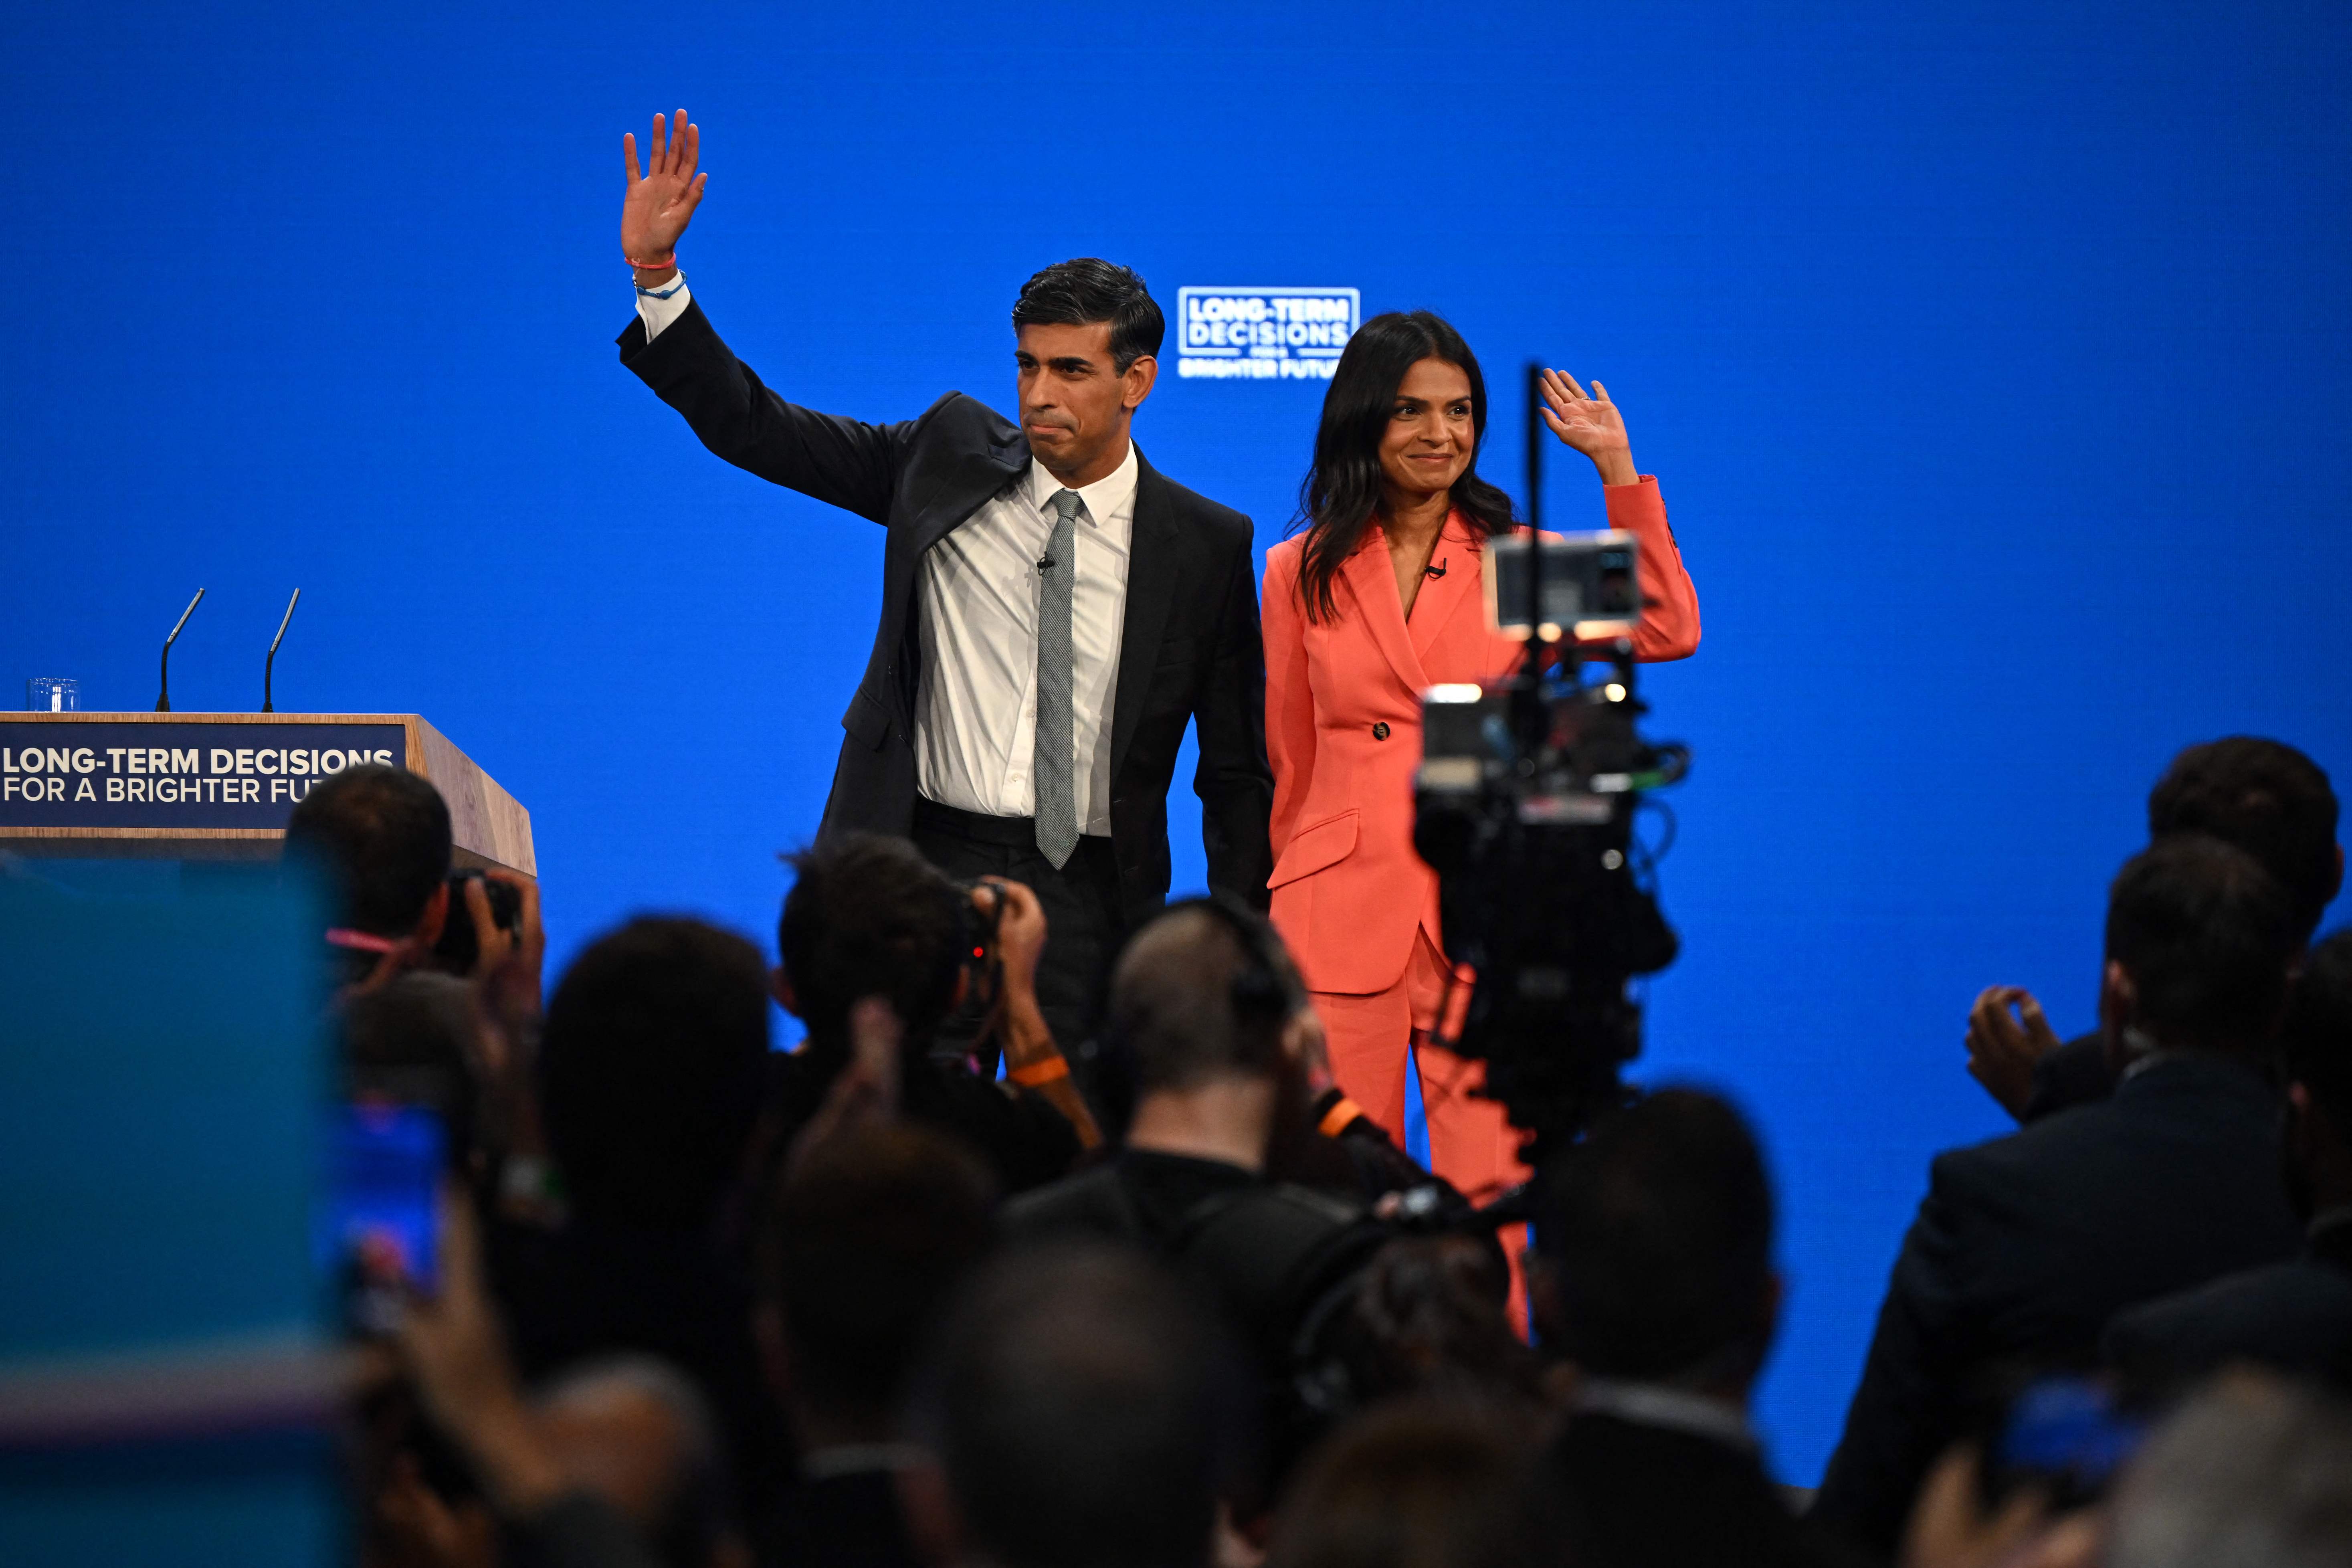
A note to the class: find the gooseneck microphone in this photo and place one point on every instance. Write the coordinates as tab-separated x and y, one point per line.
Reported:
270	664
164	699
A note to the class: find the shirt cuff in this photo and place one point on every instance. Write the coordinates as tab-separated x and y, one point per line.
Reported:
657	313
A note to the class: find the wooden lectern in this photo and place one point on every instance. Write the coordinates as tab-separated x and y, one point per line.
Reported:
219	786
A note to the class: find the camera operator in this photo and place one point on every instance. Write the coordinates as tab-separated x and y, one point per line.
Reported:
868	916
1208	1020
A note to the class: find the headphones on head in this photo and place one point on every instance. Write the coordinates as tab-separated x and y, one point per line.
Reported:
1267	990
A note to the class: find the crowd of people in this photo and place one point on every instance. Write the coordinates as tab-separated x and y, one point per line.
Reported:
863	1304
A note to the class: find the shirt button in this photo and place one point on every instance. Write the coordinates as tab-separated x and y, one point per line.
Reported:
1380	730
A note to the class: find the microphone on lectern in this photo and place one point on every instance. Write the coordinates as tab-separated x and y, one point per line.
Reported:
270	664
164	699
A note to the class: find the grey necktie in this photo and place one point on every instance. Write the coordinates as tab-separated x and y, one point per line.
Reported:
1057	802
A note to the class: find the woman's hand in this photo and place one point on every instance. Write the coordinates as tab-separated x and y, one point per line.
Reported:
661	201
1591	426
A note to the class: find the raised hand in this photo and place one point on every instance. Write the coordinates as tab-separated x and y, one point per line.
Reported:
2003	1049
660	201
1589	425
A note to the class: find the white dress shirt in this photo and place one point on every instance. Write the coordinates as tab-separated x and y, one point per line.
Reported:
976	708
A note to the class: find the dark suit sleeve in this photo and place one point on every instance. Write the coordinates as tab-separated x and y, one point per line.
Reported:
1232	780
846	462
2075	1074
1906	1408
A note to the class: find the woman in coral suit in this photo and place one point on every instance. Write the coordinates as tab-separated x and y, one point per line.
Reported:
1379	598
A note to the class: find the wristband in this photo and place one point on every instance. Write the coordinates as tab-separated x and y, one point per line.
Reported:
674	284
1335	1119
651	266
1038	1075
361	940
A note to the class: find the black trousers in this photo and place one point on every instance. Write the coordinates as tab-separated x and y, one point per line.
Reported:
1083	928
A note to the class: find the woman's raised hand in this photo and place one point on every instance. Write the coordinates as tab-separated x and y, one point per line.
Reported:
660	201
1589	425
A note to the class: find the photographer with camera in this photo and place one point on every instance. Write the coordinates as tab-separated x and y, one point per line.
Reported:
377	839
1210	1022
868	917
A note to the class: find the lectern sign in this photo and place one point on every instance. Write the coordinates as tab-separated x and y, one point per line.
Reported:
177	773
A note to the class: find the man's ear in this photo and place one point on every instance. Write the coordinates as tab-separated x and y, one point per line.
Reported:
1137	382
436	917
2118	1011
780	986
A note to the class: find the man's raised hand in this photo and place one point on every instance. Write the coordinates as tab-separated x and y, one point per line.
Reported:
661	200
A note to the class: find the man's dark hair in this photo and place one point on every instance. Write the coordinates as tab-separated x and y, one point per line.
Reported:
868	916
869	1236
2317	1035
1658	1230
1200	993
2206	936
379	838
650	1070
2266	798
1414	1483
1078	1403
1088	289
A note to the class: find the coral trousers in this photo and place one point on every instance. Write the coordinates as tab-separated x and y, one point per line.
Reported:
1370	1042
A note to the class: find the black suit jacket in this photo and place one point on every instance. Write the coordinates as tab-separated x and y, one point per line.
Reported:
2025	1247
2296	1317
1634	1495
1189	650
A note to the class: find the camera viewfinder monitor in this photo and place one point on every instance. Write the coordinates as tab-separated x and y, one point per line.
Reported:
1592	590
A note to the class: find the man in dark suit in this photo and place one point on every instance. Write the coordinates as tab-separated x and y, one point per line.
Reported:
2294	1316
1653	1275
1054	610
2266	797
2025	1247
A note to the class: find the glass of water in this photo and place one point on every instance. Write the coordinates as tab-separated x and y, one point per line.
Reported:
52	694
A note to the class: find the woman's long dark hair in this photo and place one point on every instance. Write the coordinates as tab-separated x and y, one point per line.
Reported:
1344	490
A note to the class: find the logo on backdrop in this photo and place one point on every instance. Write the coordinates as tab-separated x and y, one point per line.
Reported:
1263	334
175	773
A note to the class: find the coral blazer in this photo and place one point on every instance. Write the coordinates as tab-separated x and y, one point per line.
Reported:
1343	730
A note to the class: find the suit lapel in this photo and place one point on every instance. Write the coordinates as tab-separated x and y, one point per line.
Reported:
1372	580
1442	597
1151	550
978	475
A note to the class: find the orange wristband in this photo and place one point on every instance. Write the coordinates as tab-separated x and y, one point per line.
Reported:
1335	1121
1038	1075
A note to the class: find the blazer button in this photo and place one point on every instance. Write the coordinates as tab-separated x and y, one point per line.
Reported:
1380	730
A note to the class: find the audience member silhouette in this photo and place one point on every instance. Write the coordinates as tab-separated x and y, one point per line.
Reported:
2025	1247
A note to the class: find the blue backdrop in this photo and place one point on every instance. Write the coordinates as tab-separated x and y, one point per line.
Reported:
1992	357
